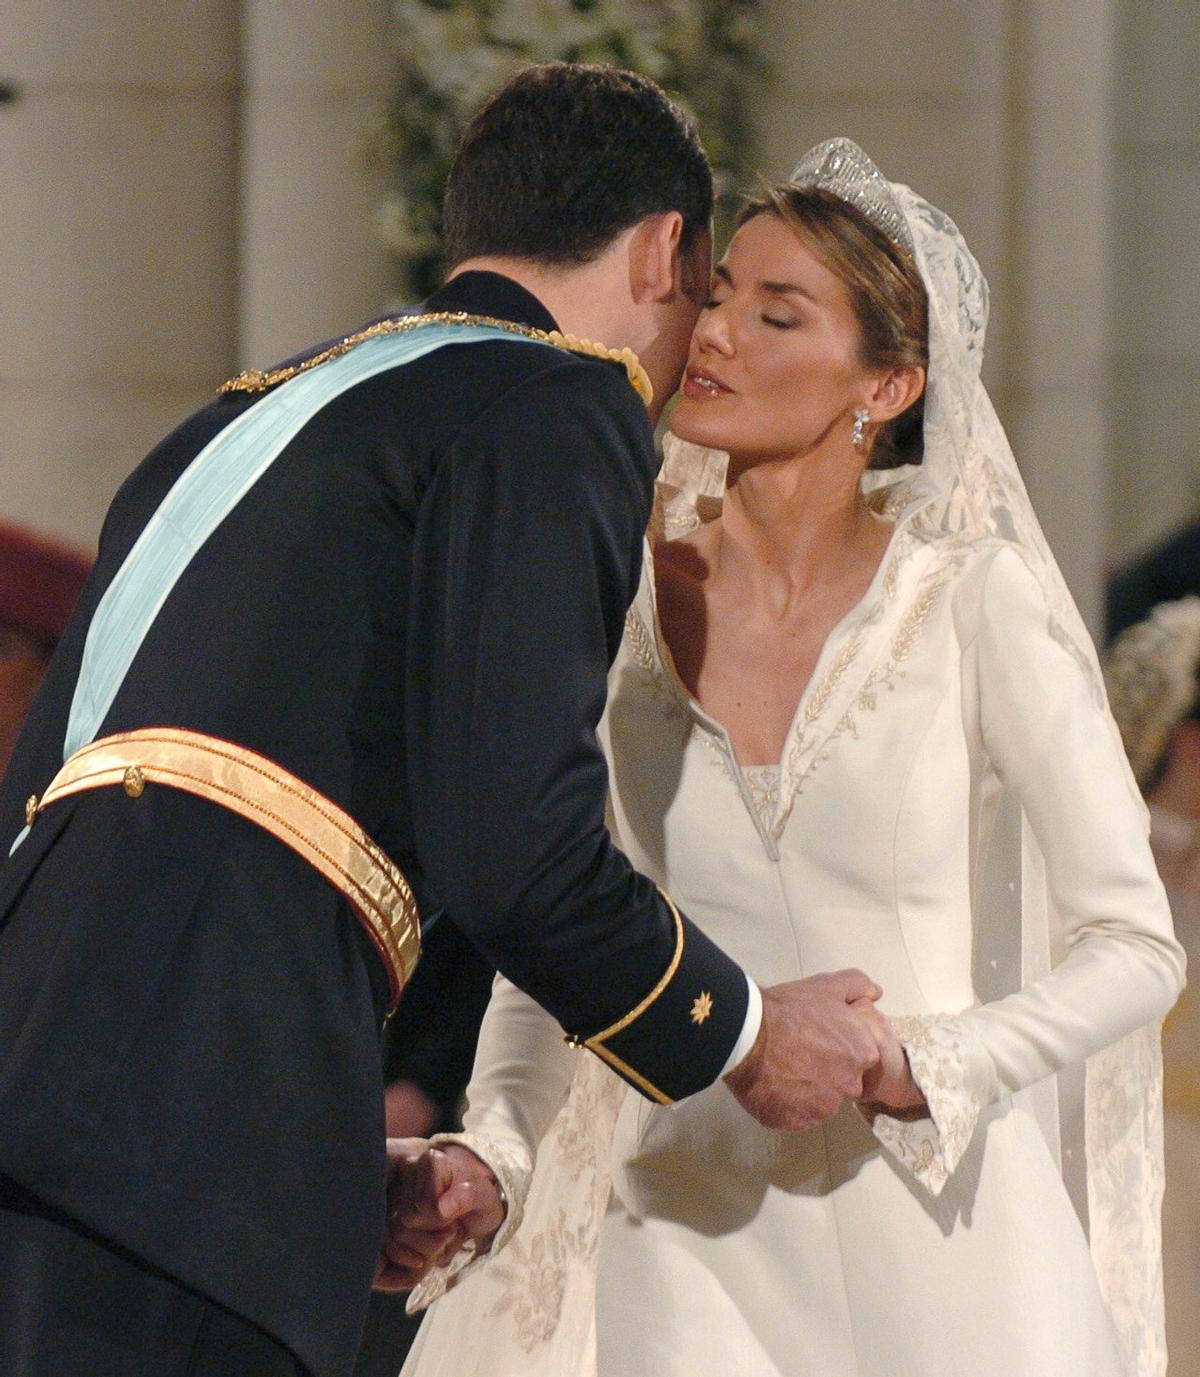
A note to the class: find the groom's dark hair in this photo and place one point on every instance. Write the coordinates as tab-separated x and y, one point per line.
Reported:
564	158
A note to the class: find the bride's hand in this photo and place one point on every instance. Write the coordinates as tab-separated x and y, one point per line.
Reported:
889	1085
439	1199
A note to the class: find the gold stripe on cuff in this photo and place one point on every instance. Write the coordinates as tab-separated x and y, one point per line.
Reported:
622	1068
596	1042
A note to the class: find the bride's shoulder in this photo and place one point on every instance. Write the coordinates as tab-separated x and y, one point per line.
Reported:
990	577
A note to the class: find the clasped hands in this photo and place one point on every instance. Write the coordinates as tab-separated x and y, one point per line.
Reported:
439	1198
822	1042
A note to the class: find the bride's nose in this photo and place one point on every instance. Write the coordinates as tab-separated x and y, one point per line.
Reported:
712	332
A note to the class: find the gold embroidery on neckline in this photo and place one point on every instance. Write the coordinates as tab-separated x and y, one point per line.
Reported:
882	675
258	380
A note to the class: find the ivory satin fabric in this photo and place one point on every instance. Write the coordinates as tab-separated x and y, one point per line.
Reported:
948	1248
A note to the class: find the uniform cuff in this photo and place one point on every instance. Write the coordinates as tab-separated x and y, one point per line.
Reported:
679	1038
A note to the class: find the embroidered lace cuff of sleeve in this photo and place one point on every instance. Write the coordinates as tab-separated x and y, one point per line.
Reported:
938	1055
513	1168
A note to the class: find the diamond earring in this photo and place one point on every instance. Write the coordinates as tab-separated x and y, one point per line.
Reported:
858	431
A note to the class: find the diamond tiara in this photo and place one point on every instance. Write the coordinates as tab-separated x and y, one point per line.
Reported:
841	167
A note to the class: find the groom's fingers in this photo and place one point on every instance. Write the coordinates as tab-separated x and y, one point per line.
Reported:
852	985
812	1052
421	1247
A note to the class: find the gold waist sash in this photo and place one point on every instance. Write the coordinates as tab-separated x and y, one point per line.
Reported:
264	793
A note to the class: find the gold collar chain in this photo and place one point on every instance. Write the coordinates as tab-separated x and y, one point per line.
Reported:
256	380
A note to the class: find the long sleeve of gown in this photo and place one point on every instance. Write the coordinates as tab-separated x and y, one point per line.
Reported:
527	556
1054	745
521	1079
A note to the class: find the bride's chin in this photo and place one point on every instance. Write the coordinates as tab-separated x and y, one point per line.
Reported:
689	423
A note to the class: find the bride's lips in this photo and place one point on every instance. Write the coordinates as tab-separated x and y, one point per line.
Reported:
703	385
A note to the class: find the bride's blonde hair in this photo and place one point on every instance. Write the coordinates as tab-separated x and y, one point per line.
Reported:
886	294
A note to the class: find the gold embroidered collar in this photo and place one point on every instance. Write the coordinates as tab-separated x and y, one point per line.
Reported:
256	380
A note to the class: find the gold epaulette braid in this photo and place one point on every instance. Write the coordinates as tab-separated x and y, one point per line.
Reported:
255	380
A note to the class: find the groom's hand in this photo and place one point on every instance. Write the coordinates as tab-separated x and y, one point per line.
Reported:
812	1051
438	1199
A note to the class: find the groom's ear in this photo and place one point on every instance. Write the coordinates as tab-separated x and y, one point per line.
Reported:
654	258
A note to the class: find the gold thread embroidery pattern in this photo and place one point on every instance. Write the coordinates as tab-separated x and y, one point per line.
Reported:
932	1147
638	639
762	784
882	676
641	647
845	658
258	380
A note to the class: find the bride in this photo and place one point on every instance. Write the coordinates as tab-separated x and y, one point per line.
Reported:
855	721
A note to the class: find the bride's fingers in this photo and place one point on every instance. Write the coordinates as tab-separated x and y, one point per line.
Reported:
406	1247
459	1200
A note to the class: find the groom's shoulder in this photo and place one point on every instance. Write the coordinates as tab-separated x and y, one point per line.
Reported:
544	390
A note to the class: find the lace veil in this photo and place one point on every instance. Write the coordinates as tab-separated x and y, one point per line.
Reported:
1103	1123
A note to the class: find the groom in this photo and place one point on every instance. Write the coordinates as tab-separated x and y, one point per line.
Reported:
354	615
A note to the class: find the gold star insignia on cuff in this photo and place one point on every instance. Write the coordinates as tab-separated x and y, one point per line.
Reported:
701	1007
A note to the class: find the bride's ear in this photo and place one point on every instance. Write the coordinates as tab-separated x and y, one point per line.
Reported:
895	392
654	267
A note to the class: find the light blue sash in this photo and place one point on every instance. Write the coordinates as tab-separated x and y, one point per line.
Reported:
207	491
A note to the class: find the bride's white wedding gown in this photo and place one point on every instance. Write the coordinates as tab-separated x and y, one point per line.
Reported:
953	814
888	839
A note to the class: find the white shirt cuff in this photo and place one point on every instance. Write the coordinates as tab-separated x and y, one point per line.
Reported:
749	1033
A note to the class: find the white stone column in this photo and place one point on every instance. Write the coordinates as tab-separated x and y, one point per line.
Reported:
1061	93
921	86
116	238
312	264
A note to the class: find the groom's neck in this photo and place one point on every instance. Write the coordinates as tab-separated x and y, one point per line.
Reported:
589	300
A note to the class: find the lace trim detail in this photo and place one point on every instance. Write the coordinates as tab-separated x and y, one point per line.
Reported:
1124	1126
513	1168
931	1148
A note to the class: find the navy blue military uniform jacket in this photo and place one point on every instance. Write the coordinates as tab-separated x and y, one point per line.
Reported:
414	611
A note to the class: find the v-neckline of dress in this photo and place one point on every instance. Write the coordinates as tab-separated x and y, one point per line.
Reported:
827	695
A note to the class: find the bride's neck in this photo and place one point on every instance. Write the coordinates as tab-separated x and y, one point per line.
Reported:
796	522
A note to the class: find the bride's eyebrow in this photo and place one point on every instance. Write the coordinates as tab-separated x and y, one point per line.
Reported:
721	273
787	289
